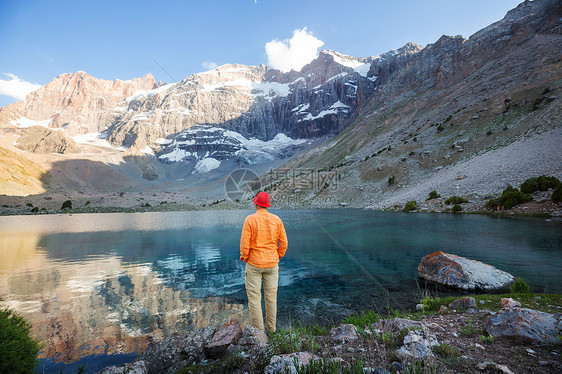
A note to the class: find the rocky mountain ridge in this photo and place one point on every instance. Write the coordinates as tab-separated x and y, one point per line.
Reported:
412	114
463	117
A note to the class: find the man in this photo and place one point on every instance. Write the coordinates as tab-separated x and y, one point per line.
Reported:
263	243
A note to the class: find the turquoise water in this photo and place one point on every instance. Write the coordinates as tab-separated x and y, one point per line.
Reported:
100	284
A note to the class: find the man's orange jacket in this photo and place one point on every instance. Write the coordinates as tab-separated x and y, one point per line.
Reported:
263	240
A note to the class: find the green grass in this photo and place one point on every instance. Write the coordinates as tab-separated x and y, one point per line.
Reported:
549	303
324	366
297	338
363	319
446	351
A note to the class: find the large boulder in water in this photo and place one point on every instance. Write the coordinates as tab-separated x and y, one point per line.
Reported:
538	327
456	271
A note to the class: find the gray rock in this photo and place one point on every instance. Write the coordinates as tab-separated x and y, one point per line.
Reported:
171	351
343	333
463	303
538	327
397	324
459	272
397	366
381	371
286	363
417	345
137	367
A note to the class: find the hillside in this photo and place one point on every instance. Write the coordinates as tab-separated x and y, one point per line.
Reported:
460	116
463	117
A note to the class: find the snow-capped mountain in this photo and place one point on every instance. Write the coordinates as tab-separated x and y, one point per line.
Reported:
250	114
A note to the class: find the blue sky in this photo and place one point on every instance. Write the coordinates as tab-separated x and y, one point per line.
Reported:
116	39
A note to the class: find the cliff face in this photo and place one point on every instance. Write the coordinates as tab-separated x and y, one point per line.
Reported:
77	103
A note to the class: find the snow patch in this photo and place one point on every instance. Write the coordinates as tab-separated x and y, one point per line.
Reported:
176	155
26	122
147	150
96	139
163	141
206	165
301	108
333	109
145	94
265	89
141	116
337	76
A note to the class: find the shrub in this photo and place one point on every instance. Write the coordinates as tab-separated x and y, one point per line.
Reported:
509	198
557	195
18	350
35	210
29	205
542	183
468	329
446	351
456	208
410	205
391	180
433	195
520	286
440	128
362	319
456	200
87	202
66	205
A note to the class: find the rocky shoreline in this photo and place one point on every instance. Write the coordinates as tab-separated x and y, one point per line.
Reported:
470	334
541	205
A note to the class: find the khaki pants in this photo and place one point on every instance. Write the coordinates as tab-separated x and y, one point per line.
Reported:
270	276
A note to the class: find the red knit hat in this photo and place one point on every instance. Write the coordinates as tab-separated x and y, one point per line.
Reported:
262	199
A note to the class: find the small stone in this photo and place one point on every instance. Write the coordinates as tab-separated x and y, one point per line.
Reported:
443	309
397	366
504	369
463	303
482	365
543	363
508	303
419	307
530	351
344	332
350	349
380	371
482	302
289	362
479	346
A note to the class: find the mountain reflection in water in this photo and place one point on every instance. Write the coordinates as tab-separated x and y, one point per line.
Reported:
109	283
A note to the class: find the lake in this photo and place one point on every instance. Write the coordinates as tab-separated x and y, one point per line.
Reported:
95	286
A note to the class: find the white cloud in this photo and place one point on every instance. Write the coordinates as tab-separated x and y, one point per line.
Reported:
294	53
209	65
16	87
